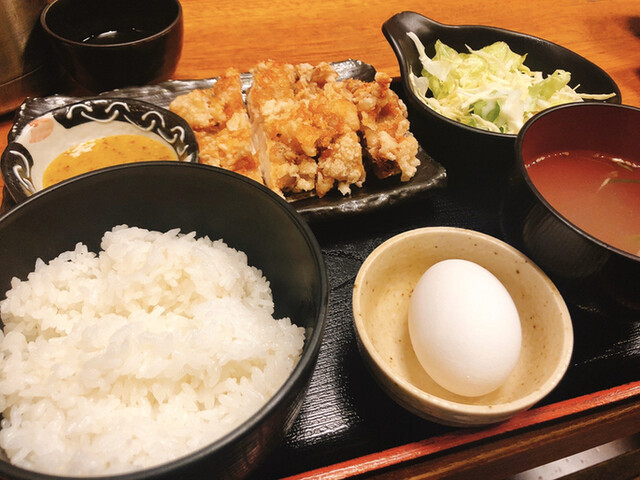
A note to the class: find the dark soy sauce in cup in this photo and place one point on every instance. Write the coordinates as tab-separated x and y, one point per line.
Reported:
111	37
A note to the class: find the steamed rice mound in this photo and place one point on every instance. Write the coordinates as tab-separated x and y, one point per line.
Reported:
154	347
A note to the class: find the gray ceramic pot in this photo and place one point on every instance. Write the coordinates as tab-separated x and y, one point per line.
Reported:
25	71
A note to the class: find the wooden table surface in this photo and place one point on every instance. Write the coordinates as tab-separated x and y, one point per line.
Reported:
232	33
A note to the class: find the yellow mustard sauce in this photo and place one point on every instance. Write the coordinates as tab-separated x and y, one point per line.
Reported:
105	152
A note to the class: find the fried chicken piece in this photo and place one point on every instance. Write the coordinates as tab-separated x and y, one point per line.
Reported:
339	150
282	129
221	125
390	145
302	129
341	162
312	79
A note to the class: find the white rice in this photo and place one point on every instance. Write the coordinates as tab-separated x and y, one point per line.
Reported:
157	346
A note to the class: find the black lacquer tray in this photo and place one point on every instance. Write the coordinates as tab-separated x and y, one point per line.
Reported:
345	414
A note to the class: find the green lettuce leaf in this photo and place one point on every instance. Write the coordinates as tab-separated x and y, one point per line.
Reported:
490	88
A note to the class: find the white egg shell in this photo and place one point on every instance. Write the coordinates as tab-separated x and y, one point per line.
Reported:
464	327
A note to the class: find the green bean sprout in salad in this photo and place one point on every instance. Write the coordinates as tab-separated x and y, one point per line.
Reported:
490	88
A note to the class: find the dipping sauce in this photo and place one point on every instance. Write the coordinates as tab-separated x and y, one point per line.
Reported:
597	192
105	152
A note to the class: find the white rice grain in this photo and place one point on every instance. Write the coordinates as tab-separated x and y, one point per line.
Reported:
156	346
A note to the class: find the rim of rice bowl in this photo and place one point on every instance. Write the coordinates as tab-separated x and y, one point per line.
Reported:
308	355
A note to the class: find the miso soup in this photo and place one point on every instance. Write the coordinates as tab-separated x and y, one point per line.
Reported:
597	192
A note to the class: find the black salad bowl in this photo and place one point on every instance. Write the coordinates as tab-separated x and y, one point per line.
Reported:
466	151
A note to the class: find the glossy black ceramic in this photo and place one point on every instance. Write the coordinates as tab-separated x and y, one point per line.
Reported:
146	48
585	265
210	201
465	150
99	114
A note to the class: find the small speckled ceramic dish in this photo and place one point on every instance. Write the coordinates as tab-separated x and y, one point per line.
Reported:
381	296
39	143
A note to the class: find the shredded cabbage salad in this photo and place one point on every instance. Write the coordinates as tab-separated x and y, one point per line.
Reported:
490	88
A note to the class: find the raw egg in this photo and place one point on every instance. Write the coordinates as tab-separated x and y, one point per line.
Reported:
464	327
